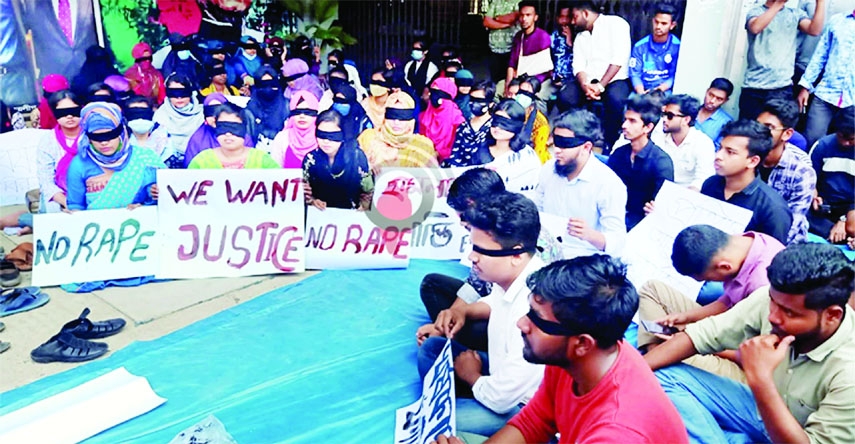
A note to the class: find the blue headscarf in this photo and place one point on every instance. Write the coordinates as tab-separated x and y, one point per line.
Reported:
103	116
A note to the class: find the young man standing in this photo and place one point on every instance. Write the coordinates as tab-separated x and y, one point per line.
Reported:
530	51
596	388
772	40
501	21
601	53
504	231
711	118
653	62
578	186
796	342
641	165
692	152
744	145
786	168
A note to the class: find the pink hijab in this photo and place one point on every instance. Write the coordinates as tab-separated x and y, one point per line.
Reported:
301	141
440	124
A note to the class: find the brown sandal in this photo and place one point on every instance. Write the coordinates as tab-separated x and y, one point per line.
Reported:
22	256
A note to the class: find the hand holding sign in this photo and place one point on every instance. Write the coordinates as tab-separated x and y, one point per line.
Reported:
450	321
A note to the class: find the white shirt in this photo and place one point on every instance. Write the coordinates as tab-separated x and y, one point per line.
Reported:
693	159
596	195
512	379
72	4
519	170
608	44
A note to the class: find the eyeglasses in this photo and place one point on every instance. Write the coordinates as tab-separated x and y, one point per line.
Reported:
772	128
549	327
669	115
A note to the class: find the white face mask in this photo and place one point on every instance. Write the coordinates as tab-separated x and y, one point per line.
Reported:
248	56
184	54
141	126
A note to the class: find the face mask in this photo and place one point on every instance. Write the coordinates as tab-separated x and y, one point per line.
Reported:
184	54
342	108
141	126
478	108
436	97
377	90
332	64
336	83
266	93
523	100
248	56
417	54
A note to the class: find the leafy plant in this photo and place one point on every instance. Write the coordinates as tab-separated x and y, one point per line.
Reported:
315	20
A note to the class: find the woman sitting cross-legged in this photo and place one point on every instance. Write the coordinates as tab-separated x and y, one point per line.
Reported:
394	143
337	172
108	172
232	153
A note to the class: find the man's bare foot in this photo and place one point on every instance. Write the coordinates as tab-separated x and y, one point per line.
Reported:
25	231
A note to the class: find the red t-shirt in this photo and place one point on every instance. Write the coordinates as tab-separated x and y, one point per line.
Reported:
628	405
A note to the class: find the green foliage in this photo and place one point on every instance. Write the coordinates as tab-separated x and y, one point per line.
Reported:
315	20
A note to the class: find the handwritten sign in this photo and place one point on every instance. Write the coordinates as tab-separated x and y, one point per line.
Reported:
218	223
571	246
94	245
434	413
347	239
18	150
417	198
649	244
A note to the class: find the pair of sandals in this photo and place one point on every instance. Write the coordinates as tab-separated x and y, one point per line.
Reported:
72	343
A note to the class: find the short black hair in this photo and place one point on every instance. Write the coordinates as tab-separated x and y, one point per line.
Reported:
646	107
785	110
844	122
336	54
533	81
229	108
722	84
329	115
528	3
666	8
589	294
515	112
819	271
473	185
563	4
583	123
488	87
511	219
100	86
587	5
689	106
56	97
759	137
136	99
178	78
695	247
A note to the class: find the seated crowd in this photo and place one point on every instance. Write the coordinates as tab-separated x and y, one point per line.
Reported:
582	125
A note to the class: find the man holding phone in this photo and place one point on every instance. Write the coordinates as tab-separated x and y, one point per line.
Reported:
707	254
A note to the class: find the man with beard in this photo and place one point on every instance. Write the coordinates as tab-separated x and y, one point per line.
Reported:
504	230
796	342
596	387
578	186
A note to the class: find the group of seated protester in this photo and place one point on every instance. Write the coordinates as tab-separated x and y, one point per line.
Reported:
764	353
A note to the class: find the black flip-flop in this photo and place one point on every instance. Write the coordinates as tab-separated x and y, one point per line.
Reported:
64	347
85	329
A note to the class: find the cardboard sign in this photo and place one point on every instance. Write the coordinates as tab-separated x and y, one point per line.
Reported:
18	150
434	413
218	223
94	245
417	198
648	245
347	239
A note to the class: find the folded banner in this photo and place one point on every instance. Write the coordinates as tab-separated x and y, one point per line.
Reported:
434	413
220	223
347	239
416	198
94	245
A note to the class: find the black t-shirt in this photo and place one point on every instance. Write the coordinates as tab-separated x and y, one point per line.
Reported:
771	214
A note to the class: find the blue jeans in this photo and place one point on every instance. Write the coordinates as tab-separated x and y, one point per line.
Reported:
819	117
472	416
714	409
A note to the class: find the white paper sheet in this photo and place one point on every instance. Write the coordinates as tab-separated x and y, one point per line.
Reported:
81	412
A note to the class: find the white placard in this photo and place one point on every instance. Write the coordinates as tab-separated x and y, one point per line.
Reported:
571	246
223	223
649	244
434	413
81	412
18	151
94	245
347	239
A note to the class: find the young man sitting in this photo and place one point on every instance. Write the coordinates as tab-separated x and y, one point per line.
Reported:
832	214
504	230
597	387
707	254
796	342
744	145
711	118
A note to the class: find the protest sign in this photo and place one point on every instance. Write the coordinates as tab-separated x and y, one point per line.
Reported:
94	245
417	198
649	244
347	239
434	413
571	246
216	223
18	151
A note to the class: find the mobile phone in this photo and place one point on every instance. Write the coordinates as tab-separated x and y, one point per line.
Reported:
653	327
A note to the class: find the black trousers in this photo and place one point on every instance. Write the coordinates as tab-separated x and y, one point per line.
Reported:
499	66
438	293
752	100
609	109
